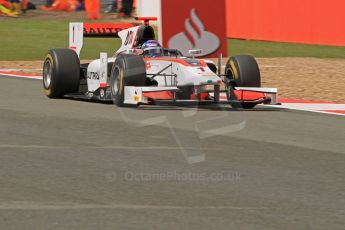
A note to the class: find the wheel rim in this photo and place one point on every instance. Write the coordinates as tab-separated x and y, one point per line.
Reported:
47	74
116	84
229	74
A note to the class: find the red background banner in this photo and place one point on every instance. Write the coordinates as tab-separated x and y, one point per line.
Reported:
176	12
298	21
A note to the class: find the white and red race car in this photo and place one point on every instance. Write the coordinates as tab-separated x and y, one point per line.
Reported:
131	77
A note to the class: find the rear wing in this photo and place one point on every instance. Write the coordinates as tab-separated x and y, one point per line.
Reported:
79	30
129	33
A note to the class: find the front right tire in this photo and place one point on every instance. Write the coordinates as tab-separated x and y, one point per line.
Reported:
127	70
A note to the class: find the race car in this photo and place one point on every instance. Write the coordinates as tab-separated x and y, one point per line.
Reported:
142	72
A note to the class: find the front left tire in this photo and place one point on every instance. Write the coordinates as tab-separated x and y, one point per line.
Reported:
241	71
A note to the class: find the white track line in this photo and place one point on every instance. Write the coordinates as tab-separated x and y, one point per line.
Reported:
20	70
316	108
38	77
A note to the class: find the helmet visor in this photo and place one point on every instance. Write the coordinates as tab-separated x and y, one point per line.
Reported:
153	52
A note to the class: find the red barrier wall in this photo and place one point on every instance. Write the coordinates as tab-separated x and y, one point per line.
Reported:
299	21
194	27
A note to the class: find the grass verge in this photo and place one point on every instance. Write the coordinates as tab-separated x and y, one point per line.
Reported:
30	40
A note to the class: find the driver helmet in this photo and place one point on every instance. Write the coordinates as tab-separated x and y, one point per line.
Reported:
152	48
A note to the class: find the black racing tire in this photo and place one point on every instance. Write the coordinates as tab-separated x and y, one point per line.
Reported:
243	70
61	73
127	70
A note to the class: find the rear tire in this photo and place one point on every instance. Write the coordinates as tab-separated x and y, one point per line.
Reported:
61	73
127	70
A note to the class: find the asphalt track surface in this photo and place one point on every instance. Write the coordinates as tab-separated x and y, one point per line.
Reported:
69	164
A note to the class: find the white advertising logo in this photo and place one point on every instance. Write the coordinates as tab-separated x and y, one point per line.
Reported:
195	37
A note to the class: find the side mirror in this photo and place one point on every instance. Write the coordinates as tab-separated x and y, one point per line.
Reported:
193	53
135	51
